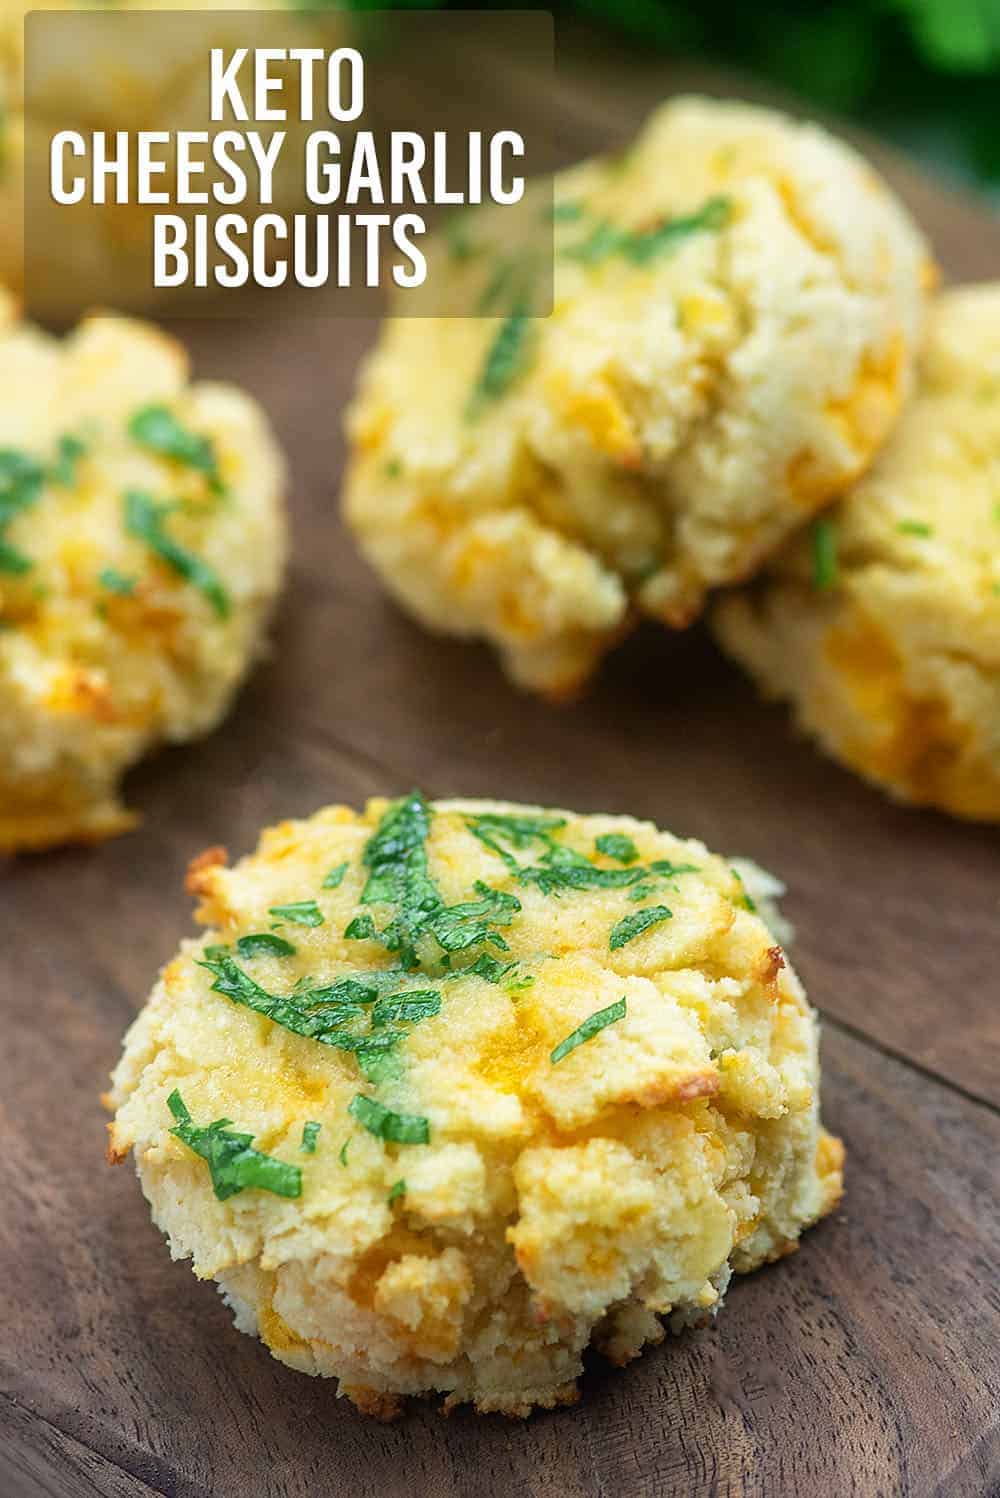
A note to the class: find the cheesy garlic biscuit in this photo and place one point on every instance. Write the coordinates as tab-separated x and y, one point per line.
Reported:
142	544
882	628
737	304
449	1091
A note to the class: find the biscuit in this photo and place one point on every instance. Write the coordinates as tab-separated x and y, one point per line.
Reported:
142	545
737	303
882	628
495	1083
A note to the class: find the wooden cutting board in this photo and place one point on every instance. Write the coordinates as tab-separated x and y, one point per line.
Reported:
868	1363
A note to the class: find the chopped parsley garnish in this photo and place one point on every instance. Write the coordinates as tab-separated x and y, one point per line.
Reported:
746	900
560	868
643	245
310	1133
69	451
232	1164
393	469
157	429
461	245
320	1014
590	1027
505	361
398	876
486	967
396	1128
300	913
336	874
398	1190
266	942
631	926
117	582
12	560
362	928
328	1012
408	1008
21	482
915	528
499	289
617	845
457	927
566	212
342	1155
514	984
144	520
824	553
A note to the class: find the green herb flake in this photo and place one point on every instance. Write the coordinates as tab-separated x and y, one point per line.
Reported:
398	1190
342	1152
712	216
310	1133
505	362
12	560
486	967
457	236
144	519
617	845
158	430
319	1014
21	482
560	868
393	469
406	1008
516	985
824	554
603	240
399	876
266	943
631	926
746	899
362	928
644	245
395	1128
69	451
232	1164
567	212
299	913
117	582
915	528
335	876
590	1027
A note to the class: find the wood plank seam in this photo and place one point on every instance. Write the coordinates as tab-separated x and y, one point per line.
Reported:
35	1415
863	1038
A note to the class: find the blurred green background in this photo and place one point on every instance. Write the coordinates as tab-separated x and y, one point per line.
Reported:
923	73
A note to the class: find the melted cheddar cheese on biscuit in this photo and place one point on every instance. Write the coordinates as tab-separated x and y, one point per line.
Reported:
737	306
449	1091
890	653
142	544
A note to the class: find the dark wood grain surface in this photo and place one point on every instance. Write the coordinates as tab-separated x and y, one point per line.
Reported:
866	1364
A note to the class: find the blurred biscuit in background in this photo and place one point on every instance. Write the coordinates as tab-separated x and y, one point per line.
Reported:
737	307
882	626
142	546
